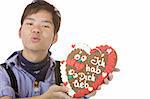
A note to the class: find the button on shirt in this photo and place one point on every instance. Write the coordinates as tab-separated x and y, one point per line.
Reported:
25	80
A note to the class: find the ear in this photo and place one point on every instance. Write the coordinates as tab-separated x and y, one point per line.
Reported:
20	32
55	38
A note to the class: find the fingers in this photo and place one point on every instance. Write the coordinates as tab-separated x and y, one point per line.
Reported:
99	87
62	84
91	94
62	89
62	95
110	76
106	81
77	98
56	92
56	88
6	97
116	70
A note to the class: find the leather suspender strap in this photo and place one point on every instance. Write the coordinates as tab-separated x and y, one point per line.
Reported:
12	77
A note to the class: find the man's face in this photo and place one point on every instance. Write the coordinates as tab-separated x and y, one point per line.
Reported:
37	31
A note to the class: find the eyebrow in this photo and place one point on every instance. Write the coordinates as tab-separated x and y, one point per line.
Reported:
30	19
45	21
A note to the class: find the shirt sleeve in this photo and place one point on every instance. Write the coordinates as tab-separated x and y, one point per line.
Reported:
5	86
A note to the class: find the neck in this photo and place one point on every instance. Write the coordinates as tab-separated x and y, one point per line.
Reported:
34	56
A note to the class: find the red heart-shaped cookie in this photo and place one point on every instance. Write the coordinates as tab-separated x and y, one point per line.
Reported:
82	71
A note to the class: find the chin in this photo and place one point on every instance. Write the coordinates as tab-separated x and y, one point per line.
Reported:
36	48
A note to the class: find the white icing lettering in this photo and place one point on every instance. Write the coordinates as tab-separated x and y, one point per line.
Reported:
83	77
95	70
88	68
80	85
75	75
96	61
86	85
93	77
92	69
103	62
93	61
76	83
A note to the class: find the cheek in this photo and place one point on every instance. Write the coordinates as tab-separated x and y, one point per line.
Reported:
48	36
24	35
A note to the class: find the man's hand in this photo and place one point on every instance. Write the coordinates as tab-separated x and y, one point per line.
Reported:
60	92
56	92
106	81
6	97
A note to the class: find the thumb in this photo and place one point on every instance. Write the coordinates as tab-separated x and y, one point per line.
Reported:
116	70
57	88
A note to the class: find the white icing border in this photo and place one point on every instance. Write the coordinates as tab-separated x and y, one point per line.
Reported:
64	76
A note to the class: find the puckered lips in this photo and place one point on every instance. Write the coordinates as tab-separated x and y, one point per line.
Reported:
35	39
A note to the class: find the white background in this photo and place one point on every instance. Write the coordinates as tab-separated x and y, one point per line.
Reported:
123	24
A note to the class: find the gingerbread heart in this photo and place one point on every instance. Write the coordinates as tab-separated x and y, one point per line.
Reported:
84	71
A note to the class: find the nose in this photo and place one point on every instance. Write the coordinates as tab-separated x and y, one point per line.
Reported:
36	30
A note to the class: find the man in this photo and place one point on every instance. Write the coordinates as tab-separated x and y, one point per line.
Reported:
35	71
